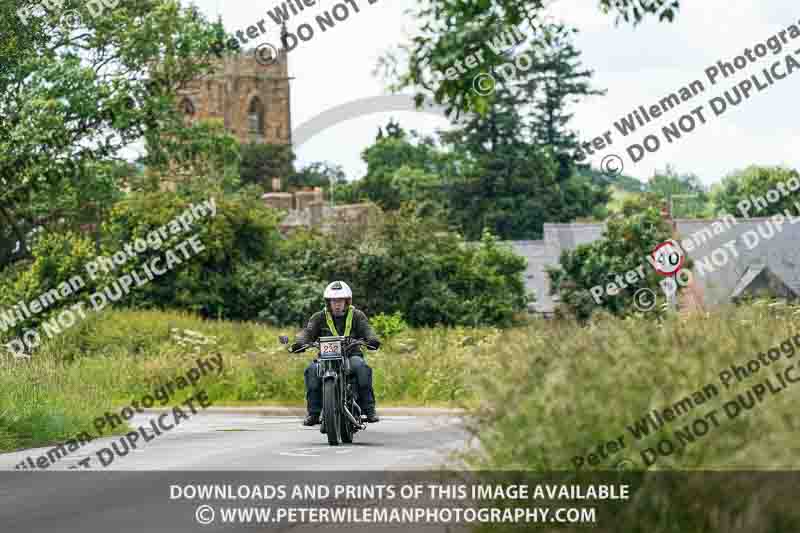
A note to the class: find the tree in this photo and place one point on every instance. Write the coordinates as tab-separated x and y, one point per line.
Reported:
318	174
448	29
508	170
668	182
504	177
627	240
422	189
347	193
584	199
684	192
401	165
517	172
72	98
262	162
755	182
208	157
618	187
393	129
555	81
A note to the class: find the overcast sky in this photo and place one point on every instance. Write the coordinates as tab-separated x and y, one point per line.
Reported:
636	66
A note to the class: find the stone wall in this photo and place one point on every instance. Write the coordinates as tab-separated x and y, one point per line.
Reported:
309	209
304	199
279	200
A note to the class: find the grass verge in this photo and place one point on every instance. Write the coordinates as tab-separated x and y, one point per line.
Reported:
114	358
560	393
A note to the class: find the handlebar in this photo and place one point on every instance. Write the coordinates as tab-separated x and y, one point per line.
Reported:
349	344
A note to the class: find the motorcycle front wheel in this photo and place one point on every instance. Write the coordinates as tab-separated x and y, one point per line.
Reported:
330	411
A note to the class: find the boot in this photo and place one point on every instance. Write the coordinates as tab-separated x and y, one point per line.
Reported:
311	420
366	396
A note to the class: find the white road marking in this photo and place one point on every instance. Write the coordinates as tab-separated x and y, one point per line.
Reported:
301	454
309	452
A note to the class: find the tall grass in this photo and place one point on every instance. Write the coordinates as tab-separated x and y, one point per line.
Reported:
561	390
114	358
540	395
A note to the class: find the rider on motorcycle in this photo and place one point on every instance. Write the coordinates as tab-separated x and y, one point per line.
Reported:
338	317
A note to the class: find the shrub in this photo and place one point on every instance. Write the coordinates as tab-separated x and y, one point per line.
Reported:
387	326
405	264
57	259
262	291
412	264
242	231
628	239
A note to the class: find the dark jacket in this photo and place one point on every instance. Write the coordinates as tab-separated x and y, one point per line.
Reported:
318	327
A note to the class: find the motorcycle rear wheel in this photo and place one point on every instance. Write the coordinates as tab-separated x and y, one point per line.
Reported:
330	411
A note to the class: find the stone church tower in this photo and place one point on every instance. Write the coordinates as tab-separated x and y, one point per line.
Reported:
251	98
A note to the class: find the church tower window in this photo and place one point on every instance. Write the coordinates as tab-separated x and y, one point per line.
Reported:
255	119
187	107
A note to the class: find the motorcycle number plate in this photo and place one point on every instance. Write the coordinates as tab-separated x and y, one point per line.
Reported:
330	350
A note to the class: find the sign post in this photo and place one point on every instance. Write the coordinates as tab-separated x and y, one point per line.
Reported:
668	259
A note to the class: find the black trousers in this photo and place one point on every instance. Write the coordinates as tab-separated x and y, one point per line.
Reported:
363	373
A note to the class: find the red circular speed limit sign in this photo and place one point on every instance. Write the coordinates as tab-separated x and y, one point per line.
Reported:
668	258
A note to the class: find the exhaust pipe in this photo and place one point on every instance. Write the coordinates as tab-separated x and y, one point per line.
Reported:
352	419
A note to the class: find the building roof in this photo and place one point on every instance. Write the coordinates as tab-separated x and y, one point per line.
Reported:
780	255
752	273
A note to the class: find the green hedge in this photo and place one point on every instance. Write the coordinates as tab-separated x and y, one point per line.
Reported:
412	265
57	258
242	231
249	271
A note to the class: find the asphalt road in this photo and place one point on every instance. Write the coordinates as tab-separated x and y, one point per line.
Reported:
257	443
134	492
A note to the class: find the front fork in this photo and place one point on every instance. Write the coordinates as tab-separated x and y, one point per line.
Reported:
355	416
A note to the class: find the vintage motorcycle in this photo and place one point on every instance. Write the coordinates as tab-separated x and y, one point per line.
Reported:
341	414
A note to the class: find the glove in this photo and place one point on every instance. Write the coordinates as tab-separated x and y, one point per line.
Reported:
295	347
374	344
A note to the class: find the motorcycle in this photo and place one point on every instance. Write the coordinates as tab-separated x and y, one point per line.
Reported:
341	414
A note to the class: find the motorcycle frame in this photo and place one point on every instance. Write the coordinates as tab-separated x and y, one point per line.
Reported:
337	369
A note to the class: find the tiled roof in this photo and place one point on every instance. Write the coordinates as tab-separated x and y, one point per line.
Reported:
781	254
752	273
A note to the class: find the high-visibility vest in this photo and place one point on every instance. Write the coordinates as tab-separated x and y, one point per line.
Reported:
347	324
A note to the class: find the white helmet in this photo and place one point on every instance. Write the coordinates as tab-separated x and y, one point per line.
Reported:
338	289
